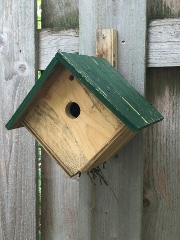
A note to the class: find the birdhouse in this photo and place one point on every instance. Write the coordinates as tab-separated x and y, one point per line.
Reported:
83	111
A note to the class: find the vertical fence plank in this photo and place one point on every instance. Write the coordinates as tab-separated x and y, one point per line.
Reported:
63	14
161	215
159	9
108	218
60	197
17	159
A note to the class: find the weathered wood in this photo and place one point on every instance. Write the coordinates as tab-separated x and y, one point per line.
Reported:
50	41
37	92
62	14
161	181
164	43
161	216
110	220
161	9
60	198
163	46
64	137
106	45
17	161
112	89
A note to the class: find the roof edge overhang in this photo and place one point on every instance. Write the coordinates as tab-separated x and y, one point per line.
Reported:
64	60
61	57
18	116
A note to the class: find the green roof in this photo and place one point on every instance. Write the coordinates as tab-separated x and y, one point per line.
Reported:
107	84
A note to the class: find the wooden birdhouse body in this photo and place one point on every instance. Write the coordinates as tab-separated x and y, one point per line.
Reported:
76	142
74	114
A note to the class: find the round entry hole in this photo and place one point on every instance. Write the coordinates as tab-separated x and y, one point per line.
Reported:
73	110
71	77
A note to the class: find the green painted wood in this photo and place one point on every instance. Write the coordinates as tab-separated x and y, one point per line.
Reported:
101	216
112	89
108	85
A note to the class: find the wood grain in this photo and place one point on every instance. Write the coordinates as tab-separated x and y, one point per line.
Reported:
163	43
79	142
106	45
17	160
60	198
161	173
50	41
62	14
112	89
106	218
119	140
161	9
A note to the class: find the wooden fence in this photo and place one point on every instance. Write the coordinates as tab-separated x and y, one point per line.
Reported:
145	175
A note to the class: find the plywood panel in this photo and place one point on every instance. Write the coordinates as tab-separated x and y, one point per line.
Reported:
17	160
107	217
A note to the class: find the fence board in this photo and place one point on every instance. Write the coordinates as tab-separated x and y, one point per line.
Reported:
161	9
161	182
163	43
163	46
110	219
161	173
61	14
60	194
17	160
50	41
